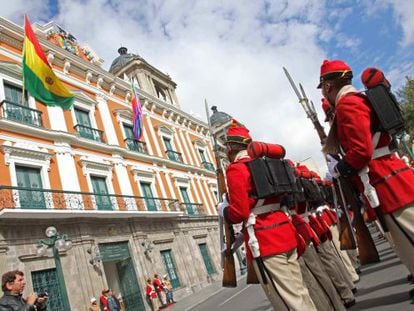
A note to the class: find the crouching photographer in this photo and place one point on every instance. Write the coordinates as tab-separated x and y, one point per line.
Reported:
13	284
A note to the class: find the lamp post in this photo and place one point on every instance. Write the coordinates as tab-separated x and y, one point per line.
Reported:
52	246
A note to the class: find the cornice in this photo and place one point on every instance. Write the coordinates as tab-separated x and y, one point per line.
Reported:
75	141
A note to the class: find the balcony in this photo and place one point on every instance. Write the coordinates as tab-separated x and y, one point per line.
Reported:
89	132
47	199
136	145
20	113
208	166
174	156
193	209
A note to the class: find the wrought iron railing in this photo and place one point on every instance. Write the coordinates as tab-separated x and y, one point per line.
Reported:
29	198
20	113
193	209
136	145
208	166
174	156
89	132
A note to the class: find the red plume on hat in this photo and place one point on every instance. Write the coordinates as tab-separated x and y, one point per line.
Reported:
238	133
333	69
372	77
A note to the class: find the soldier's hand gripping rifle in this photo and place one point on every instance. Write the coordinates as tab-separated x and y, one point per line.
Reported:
367	250
226	240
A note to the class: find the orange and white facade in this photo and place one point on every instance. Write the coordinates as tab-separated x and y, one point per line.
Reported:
82	172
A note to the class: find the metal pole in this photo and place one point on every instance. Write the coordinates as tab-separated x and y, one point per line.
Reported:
60	277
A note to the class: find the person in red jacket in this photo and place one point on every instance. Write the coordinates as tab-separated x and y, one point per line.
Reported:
152	296
269	235
159	288
367	159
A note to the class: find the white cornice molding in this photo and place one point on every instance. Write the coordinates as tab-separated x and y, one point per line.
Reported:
13	69
91	163
142	171
73	140
25	151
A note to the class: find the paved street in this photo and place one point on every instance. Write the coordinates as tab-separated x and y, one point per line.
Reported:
383	287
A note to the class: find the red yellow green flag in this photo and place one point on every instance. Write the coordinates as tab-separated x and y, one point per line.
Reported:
39	78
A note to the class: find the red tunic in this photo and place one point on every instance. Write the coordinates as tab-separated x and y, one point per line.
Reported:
158	285
150	292
394	185
274	231
305	230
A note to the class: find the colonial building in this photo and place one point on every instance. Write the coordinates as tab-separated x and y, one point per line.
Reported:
130	208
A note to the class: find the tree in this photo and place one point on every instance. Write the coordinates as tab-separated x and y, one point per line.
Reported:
406	98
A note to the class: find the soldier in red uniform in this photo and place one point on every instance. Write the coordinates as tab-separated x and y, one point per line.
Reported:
367	159
270	236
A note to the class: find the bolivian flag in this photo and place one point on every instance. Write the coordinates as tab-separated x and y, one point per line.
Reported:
39	78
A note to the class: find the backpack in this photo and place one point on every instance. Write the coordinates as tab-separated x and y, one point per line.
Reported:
382	101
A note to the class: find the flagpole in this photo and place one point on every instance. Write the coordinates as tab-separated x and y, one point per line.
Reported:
24	40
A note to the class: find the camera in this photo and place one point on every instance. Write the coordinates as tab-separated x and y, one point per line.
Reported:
42	294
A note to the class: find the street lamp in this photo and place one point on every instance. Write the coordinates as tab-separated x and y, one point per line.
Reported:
56	242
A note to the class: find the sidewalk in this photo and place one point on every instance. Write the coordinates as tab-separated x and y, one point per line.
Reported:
190	302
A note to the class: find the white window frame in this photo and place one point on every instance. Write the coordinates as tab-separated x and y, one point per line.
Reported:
146	175
92	166
18	83
83	102
28	155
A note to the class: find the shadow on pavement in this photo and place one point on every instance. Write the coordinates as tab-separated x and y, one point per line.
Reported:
380	301
381	267
363	291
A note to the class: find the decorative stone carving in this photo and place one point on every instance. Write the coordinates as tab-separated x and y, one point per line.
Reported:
112	89
50	57
88	77
99	82
66	67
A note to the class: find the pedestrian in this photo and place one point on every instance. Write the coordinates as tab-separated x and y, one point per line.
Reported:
13	284
374	169
270	237
168	289
159	288
152	296
113	302
94	305
104	300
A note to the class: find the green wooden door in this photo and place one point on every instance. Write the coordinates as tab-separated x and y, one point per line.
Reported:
29	177
84	128
103	201
169	149
202	155
149	197
129	137
47	281
206	258
186	201
170	268
15	109
131	293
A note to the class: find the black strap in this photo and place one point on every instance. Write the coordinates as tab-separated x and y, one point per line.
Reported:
393	173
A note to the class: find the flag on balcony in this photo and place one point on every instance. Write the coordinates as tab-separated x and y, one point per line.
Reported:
136	113
39	78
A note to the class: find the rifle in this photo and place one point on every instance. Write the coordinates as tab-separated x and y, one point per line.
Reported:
227	258
367	250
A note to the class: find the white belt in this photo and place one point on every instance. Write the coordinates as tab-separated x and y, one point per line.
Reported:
258	210
380	152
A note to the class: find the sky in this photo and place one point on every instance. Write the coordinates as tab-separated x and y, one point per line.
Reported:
232	52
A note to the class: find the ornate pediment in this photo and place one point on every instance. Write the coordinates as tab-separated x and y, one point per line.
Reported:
11	69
